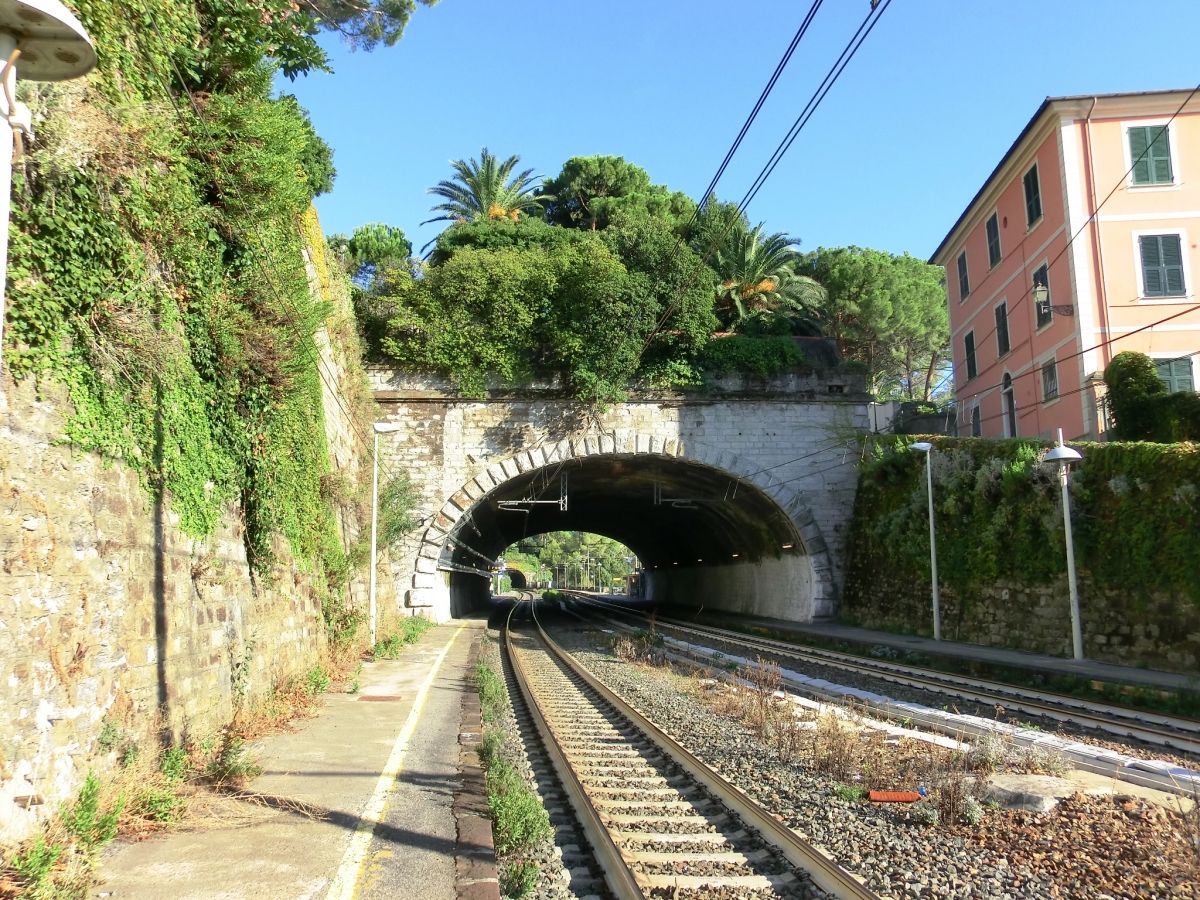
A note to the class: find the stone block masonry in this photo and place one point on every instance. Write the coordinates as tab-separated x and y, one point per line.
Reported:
794	438
115	622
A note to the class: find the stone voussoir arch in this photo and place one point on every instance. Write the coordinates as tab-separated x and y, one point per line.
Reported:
445	522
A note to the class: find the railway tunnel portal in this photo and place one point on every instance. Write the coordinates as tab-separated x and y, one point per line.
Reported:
736	498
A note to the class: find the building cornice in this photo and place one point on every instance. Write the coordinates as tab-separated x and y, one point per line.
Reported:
1048	117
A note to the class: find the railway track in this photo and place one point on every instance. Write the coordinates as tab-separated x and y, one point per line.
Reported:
1178	735
661	823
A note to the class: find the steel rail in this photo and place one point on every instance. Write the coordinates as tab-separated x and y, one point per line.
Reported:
617	874
1157	777
1174	732
824	871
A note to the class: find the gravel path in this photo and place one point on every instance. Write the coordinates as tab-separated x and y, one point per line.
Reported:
1087	848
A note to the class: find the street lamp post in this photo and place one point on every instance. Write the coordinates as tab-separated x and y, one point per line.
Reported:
1064	456
927	448
380	428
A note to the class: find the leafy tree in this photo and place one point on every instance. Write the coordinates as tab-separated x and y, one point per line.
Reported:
494	234
378	259
886	312
486	189
758	274
364	23
591	189
1134	393
678	286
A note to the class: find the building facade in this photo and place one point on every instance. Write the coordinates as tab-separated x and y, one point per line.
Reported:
1081	244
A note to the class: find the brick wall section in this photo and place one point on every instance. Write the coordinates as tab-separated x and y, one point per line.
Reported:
785	426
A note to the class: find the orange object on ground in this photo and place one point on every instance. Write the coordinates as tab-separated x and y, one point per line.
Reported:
893	796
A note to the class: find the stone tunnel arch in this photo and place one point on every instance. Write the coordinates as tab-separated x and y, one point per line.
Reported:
444	549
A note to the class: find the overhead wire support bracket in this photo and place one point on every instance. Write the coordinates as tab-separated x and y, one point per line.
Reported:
523	505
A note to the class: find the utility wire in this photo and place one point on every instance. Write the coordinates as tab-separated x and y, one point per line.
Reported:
835	72
737	142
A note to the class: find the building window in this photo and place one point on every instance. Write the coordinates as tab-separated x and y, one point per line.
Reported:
1033	197
1162	265
969	349
993	240
1008	406
1176	374
976	422
1049	380
1045	312
1002	329
1150	153
964	283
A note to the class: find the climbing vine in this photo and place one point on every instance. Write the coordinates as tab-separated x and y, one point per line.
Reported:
1136	512
157	265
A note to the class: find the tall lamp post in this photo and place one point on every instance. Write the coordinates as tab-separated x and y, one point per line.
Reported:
1064	456
380	428
927	448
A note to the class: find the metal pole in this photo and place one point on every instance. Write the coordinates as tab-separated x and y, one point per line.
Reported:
374	530
1076	627
8	43
937	609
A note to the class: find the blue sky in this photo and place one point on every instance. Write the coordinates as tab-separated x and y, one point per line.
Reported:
921	116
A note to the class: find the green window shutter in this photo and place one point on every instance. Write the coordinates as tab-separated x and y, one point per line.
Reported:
1160	157
1033	197
1152	268
1172	263
1138	144
1176	374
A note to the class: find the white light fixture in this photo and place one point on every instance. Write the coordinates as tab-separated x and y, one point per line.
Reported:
1064	456
927	448
51	45
380	428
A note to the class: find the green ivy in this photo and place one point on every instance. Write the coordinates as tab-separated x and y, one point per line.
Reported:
157	267
1135	508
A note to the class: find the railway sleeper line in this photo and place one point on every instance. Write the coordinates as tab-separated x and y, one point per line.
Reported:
660	822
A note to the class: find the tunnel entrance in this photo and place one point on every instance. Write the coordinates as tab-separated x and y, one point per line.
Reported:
726	536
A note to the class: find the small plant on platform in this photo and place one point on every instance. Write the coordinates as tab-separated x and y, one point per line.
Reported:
87	820
492	695
317	680
354	684
518	878
231	764
32	869
408	631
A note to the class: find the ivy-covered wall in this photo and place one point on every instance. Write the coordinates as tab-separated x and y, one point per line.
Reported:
185	423
1002	552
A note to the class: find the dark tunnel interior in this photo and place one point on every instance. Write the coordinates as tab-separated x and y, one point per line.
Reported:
670	512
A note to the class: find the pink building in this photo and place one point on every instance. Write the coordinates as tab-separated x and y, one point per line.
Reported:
1098	200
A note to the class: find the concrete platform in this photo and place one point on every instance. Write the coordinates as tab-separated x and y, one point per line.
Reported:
375	796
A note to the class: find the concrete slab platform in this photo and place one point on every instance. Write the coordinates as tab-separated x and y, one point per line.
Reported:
359	796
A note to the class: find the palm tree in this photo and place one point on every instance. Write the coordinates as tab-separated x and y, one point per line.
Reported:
486	189
758	274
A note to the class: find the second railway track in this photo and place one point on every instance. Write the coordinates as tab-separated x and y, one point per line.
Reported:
661	823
